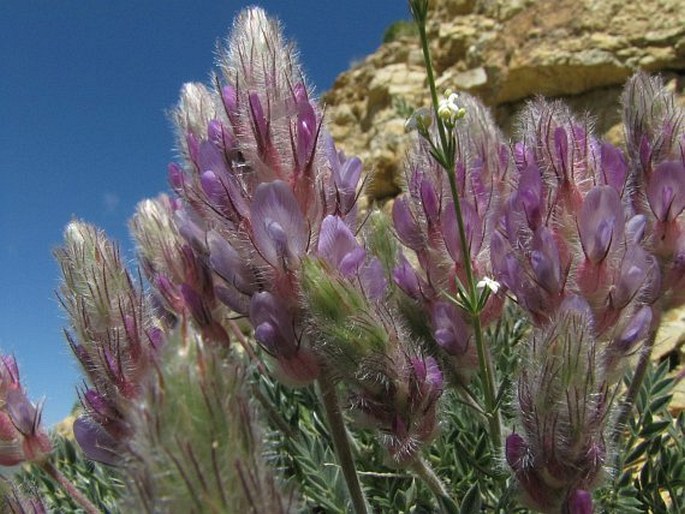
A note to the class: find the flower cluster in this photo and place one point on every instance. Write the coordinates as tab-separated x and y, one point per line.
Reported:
195	444
564	401
569	229
425	222
263	225
260	175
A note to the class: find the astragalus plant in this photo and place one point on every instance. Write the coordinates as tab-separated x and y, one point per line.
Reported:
279	349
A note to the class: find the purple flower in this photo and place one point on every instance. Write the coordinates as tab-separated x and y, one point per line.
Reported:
579	502
601	222
275	331
666	190
279	230
655	136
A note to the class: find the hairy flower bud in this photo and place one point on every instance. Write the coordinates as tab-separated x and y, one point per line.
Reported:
563	399
196	437
393	388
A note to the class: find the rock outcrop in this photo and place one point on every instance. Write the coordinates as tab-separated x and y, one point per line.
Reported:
506	51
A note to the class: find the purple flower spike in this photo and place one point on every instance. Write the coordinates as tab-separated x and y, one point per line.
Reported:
279	229
579	502
601	222
666	190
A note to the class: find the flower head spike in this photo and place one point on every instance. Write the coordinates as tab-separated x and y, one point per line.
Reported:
655	134
114	333
22	438
260	177
425	221
180	273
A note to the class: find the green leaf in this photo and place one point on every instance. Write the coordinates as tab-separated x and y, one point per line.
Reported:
471	503
448	505
658	403
654	428
637	452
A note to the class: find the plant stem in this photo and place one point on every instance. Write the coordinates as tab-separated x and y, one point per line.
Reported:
424	471
487	372
427	474
635	385
341	442
488	375
70	488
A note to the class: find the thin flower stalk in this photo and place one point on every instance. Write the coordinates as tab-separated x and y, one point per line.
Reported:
469	295
341	442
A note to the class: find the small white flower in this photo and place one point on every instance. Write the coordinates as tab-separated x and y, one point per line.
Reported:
489	283
449	109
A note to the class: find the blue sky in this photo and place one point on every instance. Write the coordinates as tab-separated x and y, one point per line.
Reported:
84	87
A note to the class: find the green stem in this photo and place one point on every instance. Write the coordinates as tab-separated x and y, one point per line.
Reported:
70	488
424	471
429	477
341	442
488	375
484	358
